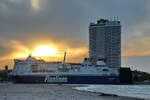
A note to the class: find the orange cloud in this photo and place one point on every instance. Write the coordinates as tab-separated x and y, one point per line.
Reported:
20	51
137	47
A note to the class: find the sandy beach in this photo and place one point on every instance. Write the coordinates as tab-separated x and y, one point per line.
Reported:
10	91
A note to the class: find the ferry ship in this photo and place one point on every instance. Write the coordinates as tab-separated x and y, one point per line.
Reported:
32	70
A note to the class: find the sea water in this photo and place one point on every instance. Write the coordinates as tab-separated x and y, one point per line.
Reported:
141	63
139	91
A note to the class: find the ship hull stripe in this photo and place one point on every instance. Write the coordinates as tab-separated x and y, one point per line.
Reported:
67	79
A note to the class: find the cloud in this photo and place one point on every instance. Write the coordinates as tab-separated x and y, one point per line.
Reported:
11	48
35	4
137	47
5	50
65	22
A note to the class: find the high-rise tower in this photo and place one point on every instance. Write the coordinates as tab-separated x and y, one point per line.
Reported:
105	42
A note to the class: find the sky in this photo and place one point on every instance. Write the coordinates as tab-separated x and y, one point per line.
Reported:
63	24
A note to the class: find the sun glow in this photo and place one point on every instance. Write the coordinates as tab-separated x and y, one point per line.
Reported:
44	51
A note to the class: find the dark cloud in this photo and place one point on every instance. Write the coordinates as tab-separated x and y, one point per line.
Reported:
66	21
5	50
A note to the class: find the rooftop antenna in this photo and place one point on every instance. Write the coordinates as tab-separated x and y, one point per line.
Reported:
111	18
117	18
114	18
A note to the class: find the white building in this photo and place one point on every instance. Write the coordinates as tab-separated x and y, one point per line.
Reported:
105	42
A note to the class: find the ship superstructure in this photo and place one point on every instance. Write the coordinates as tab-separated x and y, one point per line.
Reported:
39	71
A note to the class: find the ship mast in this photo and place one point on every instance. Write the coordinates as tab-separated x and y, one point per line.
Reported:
64	61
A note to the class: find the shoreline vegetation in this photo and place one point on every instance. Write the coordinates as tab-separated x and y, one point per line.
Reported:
10	91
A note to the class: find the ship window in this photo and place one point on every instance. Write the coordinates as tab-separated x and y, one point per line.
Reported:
105	69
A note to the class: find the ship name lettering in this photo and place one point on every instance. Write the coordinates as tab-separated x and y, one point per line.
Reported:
56	79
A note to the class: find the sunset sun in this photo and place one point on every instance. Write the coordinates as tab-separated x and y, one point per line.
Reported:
44	51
